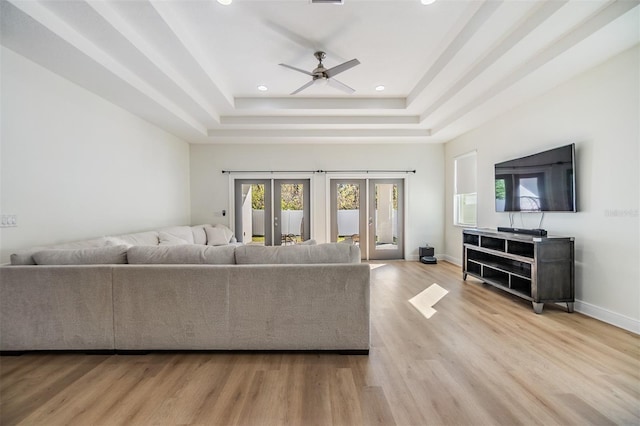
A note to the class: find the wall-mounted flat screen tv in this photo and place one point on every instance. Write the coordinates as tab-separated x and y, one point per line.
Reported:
542	182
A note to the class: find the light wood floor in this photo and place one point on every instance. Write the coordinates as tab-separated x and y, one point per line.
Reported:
483	358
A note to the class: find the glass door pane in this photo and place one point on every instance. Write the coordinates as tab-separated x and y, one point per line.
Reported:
253	211
348	212
386	227
291	213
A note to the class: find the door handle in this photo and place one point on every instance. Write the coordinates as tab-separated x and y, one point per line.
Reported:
370	221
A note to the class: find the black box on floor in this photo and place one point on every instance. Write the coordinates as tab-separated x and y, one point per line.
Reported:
425	251
429	260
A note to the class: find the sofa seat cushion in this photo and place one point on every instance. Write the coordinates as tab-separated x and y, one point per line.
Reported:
182	254
298	254
85	256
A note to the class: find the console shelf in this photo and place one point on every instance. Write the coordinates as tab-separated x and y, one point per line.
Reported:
538	269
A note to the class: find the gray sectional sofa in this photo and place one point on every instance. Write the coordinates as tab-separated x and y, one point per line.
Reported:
147	291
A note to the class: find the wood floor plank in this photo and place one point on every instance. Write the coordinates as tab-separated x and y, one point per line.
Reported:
484	357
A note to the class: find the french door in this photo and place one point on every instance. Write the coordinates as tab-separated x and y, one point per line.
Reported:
349	211
386	219
370	213
272	211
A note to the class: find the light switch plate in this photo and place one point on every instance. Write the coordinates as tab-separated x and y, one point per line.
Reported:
8	220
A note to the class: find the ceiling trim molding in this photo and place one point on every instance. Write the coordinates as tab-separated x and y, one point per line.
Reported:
105	10
267	103
318	133
163	8
587	27
60	28
481	15
315	120
518	32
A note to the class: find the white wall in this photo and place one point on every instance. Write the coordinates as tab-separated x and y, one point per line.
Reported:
75	166
210	188
599	111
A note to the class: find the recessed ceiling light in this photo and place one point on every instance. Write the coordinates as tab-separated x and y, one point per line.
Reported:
423	1
380	88
225	2
263	88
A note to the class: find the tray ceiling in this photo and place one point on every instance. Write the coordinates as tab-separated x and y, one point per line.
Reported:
194	67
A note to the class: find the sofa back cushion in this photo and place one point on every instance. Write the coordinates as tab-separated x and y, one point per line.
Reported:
298	254
84	256
182	254
149	238
167	239
25	257
181	232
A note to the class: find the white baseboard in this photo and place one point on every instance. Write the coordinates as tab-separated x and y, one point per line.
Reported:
608	316
451	259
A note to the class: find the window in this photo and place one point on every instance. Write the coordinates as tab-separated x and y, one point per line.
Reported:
465	196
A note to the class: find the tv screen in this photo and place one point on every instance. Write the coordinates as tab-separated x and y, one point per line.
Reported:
542	182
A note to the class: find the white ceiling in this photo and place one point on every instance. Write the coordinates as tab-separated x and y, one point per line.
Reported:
192	67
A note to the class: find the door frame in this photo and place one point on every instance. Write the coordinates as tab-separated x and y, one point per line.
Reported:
272	176
367	176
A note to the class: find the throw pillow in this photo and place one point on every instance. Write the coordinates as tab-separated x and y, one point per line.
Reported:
216	237
228	233
199	234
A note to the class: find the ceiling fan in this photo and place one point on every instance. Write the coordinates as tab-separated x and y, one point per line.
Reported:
323	75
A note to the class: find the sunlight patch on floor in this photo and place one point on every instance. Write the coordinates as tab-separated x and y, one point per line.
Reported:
425	300
373	266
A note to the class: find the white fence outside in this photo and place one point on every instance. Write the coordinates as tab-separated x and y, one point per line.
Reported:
291	222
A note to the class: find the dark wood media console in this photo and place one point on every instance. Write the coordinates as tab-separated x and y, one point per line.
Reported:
539	269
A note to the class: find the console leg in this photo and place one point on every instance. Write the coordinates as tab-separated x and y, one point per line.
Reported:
464	276
570	307
537	307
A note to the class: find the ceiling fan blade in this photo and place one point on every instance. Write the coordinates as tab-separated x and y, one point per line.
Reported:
339	85
342	67
302	88
296	69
